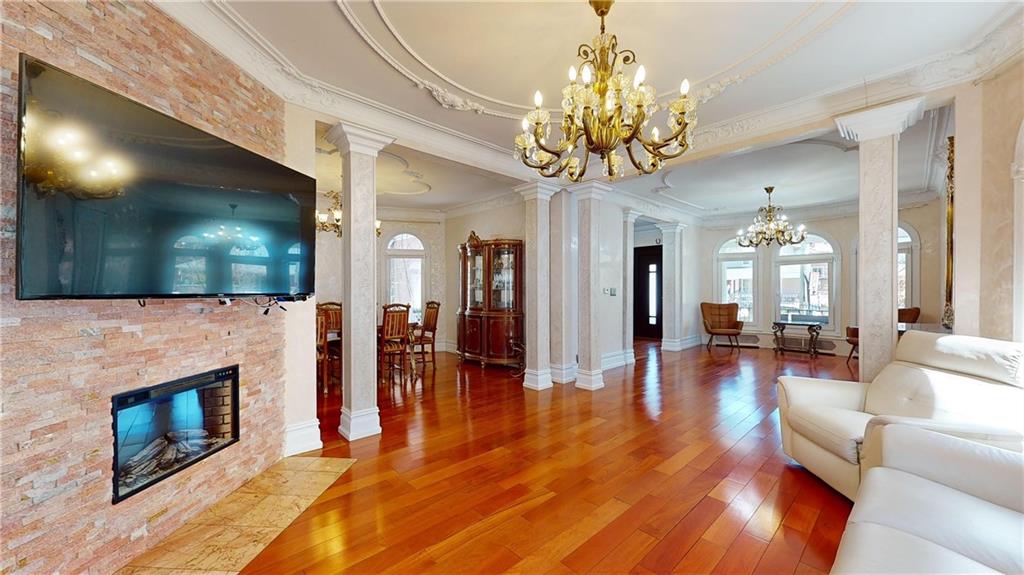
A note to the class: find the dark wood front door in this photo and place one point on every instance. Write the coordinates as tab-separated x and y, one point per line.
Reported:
647	292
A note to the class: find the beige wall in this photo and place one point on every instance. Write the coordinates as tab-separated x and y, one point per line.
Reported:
501	222
435	267
1002	110
610	277
927	219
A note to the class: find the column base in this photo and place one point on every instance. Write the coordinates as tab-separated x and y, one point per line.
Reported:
589	380
563	373
630	357
302	437
359	424
672	345
537	379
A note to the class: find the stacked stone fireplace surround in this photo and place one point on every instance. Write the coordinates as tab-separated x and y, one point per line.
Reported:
61	361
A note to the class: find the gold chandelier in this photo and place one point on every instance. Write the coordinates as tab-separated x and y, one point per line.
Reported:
770	225
330	221
606	110
60	156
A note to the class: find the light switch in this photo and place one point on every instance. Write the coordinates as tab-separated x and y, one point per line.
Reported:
612	291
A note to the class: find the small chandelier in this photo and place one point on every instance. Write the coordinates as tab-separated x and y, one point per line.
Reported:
606	110
330	221
770	225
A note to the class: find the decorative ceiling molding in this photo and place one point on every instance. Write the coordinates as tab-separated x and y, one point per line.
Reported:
818	212
995	47
509	198
218	24
417	215
415	178
448	99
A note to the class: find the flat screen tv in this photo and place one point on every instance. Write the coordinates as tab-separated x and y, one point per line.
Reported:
117	200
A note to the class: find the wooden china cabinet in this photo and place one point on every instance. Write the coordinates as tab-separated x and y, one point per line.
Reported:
490	315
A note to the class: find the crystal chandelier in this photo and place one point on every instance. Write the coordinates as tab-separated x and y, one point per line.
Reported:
330	221
605	109
65	158
770	225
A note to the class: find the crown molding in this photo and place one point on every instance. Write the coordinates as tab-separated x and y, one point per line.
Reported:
509	198
219	25
819	212
537	190
881	121
417	215
996	46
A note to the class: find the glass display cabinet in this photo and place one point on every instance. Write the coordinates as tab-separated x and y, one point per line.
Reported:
490	314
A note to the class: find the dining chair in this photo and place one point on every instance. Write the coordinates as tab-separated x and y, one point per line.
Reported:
852	338
325	353
427	333
394	335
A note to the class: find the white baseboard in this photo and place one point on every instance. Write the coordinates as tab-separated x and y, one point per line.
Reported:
589	380
671	345
537	379
563	373
302	437
630	356
691	341
613	359
359	424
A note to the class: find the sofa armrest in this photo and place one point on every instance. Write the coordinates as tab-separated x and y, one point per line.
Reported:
990	473
870	455
826	392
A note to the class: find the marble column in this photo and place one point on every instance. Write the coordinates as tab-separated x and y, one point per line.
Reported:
537	196
671	286
1017	173
967	207
359	146
588	195
628	245
564	278
877	130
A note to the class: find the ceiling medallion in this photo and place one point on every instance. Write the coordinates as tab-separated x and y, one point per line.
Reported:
330	221
606	110
770	225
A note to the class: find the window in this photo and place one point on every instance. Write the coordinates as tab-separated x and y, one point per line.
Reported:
904	268
806	282
406	273
293	267
736	278
249	268
190	265
652	294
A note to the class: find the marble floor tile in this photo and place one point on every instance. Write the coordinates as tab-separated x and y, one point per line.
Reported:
290	482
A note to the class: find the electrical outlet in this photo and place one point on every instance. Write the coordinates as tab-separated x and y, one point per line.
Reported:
612	292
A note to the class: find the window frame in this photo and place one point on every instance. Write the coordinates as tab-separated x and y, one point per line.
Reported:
834	261
753	256
913	250
395	253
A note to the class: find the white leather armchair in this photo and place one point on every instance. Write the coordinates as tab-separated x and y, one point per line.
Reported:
936	504
970	387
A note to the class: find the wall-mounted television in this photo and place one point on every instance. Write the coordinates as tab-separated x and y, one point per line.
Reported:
117	200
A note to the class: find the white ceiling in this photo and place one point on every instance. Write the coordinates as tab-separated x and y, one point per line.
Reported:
407	178
453	78
811	172
491	56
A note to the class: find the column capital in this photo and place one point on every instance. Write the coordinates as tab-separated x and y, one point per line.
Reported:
630	215
351	138
881	121
671	227
537	190
592	190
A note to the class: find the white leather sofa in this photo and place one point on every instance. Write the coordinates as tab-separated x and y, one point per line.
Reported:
936	504
965	386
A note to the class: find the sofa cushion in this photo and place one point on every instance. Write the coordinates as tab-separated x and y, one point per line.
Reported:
999	361
840	431
874	548
977	529
912	390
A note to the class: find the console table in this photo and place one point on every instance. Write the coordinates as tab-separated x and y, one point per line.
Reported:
813	331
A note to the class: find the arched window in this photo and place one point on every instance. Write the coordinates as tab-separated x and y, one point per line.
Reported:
805	273
406	271
908	265
190	259
249	267
294	261
737	278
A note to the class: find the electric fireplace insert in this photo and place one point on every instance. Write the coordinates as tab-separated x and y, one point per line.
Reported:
163	429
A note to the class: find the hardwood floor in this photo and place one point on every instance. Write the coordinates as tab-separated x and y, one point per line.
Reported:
674	467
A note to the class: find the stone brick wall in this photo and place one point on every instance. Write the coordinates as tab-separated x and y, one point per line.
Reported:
61	361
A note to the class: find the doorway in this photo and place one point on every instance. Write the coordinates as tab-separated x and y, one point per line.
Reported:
647	290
